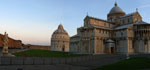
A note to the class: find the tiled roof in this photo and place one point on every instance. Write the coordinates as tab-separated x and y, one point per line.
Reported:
128	25
102	27
142	22
98	19
75	36
131	14
123	26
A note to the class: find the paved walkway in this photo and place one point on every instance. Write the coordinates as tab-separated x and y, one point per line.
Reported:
44	67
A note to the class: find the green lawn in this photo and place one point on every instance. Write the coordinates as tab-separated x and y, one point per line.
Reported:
130	64
45	53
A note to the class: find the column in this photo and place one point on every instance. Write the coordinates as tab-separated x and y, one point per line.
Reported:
148	46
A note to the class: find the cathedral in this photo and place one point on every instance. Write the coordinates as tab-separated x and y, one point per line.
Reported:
121	33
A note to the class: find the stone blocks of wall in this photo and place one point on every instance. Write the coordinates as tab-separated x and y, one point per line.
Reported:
42	61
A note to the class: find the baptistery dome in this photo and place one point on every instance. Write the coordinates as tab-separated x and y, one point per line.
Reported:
60	40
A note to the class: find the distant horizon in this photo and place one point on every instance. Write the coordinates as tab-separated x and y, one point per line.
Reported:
34	21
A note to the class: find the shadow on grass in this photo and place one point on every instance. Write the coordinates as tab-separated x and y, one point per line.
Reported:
130	64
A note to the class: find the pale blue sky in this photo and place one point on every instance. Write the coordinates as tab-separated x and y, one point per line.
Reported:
33	21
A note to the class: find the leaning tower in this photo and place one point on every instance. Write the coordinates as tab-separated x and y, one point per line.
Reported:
60	40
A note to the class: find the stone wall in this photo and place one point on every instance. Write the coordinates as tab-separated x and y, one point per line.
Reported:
12	42
99	46
42	61
37	47
70	60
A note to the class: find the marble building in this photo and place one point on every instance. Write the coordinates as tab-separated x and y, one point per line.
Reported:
60	40
120	33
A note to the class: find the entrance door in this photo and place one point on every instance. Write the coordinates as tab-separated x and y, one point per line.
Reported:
63	48
112	50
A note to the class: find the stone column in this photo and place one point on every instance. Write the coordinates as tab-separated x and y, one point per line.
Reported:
94	45
101	45
89	45
148	46
127	48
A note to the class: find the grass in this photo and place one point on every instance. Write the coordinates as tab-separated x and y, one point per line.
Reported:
44	53
130	64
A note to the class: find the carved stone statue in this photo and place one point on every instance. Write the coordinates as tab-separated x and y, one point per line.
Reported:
5	47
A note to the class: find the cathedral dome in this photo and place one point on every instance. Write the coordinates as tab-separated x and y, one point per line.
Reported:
116	9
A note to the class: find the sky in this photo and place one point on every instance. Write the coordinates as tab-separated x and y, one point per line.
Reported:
34	21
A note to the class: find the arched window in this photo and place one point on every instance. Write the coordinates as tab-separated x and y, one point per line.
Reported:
128	20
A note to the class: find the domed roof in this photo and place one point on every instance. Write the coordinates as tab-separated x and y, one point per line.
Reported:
116	9
60	30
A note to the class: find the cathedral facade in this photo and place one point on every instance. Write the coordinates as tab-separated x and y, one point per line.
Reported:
121	33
